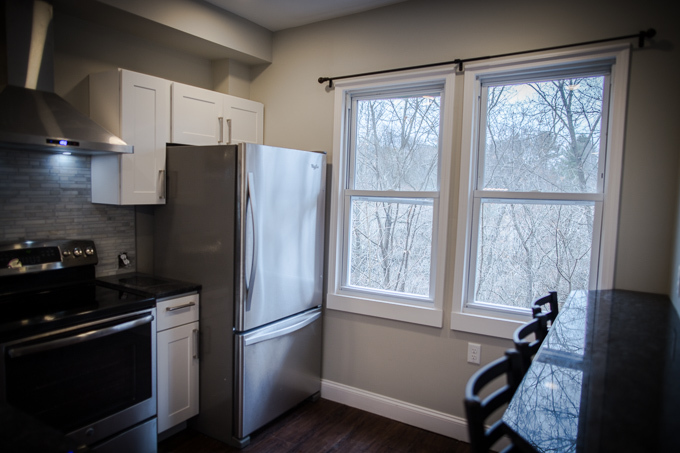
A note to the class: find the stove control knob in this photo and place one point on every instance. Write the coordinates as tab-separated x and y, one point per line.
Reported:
89	251
77	252
66	253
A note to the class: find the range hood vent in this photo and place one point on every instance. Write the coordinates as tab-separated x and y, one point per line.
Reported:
32	116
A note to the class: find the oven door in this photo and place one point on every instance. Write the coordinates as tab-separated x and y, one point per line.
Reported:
90	381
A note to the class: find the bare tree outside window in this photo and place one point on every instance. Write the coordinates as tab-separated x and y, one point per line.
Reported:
539	138
395	164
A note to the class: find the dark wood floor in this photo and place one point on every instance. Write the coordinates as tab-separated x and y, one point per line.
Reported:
323	426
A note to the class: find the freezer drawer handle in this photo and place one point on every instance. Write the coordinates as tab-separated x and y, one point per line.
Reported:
179	307
268	335
75	339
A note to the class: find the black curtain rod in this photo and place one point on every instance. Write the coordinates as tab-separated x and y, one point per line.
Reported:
641	43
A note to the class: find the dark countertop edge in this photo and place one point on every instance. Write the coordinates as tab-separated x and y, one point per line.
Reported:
169	287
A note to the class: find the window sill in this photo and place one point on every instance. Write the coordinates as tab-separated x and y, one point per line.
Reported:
427	316
484	325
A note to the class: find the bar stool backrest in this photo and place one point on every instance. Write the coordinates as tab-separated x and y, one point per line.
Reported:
549	301
478	409
526	347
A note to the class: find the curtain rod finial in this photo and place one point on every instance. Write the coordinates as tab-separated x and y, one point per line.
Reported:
326	79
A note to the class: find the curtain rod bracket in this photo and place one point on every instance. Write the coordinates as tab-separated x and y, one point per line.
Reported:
650	33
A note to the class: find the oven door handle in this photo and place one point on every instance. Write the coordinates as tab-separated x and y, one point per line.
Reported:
20	351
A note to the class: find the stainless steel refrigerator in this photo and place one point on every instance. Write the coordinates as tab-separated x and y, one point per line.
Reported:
247	223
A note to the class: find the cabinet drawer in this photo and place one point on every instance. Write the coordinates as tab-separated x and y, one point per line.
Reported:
176	311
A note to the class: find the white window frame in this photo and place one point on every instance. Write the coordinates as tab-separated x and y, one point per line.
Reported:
503	323
418	310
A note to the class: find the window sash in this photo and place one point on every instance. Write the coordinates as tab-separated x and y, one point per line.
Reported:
478	194
527	77
486	308
389	196
425	90
348	193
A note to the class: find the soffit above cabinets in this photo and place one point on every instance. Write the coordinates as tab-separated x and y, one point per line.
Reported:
278	15
190	26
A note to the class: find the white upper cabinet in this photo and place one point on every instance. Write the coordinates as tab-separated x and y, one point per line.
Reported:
136	107
204	117
149	112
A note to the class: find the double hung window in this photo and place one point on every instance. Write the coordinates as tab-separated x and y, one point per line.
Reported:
535	204
389	228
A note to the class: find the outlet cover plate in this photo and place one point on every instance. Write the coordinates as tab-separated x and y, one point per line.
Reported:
474	353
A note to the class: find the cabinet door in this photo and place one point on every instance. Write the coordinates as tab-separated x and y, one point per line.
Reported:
177	360
196	115
243	120
145	123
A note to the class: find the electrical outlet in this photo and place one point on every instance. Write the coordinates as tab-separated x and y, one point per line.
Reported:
123	260
474	353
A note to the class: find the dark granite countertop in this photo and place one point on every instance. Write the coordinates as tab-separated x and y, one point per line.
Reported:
605	379
149	285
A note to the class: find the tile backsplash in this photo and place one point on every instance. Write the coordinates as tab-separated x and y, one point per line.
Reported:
47	196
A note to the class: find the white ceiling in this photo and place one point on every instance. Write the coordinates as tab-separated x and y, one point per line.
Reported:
280	14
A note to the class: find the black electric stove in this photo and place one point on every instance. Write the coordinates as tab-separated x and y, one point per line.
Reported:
77	358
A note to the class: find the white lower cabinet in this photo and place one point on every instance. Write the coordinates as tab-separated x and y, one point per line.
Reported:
177	360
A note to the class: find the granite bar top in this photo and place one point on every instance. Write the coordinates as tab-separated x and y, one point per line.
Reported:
607	377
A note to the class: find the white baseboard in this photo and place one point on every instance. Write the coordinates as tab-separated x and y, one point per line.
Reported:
418	416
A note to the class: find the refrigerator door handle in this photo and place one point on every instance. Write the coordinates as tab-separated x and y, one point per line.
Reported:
266	334
250	279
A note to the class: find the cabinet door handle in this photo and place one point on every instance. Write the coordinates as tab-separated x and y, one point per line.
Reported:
179	307
229	124
195	334
220	125
161	184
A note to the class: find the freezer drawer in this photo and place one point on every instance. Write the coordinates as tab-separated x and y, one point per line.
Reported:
278	366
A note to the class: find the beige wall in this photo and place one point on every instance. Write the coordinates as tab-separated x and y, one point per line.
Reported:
427	366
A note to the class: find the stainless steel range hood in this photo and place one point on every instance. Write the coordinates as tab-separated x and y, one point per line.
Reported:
32	116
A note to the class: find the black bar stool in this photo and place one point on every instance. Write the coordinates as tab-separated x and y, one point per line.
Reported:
478	409
549	316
